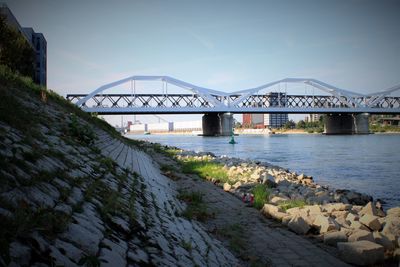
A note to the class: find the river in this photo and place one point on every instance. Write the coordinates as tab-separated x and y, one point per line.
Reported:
366	163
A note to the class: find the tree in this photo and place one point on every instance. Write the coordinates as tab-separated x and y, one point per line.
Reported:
15	51
301	125
289	124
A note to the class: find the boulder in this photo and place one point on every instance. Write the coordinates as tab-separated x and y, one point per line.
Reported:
314	209
301	177
392	227
293	211
336	207
356	225
272	211
393	212
268	180
227	187
255	176
371	221
360	235
369	209
325	224
298	225
277	200
396	254
342	222
361	252
355	197
351	218
332	238
237	184
383	241
286	219
269	208
339	214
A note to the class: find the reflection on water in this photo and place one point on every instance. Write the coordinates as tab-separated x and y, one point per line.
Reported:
367	163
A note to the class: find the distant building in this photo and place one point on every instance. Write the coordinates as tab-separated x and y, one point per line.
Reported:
392	121
312	117
269	120
36	41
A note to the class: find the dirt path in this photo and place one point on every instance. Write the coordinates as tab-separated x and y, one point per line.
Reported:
256	240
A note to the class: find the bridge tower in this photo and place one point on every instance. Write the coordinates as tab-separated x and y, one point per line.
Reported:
347	123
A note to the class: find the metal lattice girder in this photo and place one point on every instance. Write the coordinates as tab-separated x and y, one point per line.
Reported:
175	103
250	100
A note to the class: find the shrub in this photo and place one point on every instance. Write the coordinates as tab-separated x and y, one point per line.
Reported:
261	194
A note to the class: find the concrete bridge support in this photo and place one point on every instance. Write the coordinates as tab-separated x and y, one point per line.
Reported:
346	124
361	123
217	124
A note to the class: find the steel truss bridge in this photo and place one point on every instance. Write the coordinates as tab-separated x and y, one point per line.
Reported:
203	100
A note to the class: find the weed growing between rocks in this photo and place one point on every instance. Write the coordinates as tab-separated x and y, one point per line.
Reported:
196	209
187	245
292	203
261	194
236	236
81	132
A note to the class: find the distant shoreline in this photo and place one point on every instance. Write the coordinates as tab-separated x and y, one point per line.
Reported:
248	132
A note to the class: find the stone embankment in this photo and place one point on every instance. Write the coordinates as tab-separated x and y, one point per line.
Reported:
358	227
73	192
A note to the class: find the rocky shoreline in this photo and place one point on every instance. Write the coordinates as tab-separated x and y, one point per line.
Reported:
353	222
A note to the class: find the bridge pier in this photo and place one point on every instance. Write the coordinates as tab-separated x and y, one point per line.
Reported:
217	124
346	123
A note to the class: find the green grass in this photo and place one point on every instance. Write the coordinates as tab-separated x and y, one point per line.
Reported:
167	168
187	245
196	208
205	169
261	194
236	237
292	203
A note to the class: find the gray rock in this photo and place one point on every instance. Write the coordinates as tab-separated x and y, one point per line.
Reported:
393	212
369	209
361	252
277	200
19	253
227	187
325	224
360	235
371	222
332	238
298	225
392	227
383	241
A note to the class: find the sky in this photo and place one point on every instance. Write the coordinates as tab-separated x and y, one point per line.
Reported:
224	45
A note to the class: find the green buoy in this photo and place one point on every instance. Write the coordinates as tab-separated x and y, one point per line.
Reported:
232	141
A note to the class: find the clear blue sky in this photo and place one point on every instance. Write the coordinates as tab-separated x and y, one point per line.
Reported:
226	45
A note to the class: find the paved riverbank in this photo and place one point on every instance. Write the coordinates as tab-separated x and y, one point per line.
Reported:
328	215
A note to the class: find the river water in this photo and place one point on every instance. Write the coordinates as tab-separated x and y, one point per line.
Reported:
366	163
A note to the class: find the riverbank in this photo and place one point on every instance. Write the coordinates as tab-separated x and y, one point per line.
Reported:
361	232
